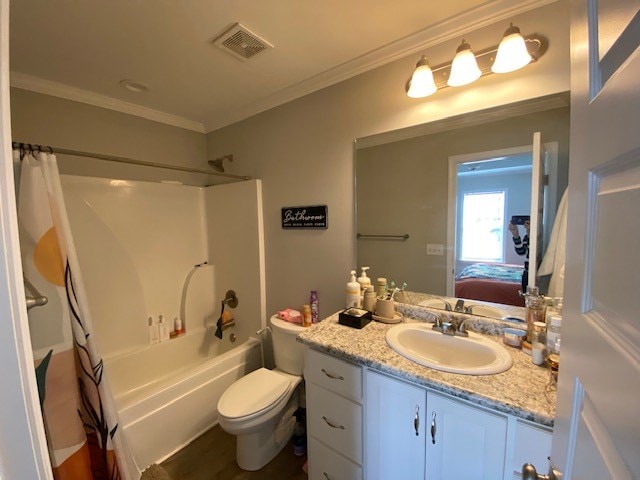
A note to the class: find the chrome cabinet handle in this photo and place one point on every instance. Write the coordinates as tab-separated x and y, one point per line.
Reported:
433	428
340	427
333	377
416	420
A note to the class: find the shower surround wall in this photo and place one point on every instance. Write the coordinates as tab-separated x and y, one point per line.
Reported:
137	241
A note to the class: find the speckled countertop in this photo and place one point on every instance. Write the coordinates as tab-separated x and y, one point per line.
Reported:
521	391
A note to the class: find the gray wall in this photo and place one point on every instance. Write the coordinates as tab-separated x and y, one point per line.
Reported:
302	150
402	188
47	120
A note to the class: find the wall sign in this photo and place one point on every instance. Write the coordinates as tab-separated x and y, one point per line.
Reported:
311	217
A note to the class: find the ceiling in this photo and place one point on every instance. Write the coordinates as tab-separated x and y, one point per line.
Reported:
81	50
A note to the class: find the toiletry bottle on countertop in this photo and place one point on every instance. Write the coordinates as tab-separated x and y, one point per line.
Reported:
306	315
363	280
534	311
369	301
313	301
553	332
381	287
154	333
353	292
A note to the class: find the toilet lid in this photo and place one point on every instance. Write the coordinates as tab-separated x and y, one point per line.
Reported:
253	393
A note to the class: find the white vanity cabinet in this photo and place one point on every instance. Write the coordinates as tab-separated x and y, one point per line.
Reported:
395	429
455	439
363	424
464	441
334	417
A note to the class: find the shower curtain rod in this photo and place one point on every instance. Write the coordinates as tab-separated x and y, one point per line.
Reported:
113	158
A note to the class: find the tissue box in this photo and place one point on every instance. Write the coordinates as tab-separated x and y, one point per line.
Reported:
354	317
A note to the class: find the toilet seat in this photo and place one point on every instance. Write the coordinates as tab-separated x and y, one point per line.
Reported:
254	394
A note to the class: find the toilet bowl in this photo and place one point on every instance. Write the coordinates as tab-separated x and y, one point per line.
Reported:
259	407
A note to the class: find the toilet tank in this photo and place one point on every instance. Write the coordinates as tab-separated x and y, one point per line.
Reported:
287	352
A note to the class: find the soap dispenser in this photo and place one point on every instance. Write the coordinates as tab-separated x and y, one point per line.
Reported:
353	292
363	280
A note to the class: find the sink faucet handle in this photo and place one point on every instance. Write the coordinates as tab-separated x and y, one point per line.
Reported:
461	331
437	323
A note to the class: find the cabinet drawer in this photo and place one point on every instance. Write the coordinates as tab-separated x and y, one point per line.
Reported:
335	421
333	374
325	464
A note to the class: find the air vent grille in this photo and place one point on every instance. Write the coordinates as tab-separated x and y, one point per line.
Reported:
241	42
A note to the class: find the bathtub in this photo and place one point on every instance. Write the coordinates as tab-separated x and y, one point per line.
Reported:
167	394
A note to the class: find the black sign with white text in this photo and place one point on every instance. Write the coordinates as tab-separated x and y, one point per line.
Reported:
314	216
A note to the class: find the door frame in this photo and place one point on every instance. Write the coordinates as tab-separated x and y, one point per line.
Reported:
24	452
452	203
550	150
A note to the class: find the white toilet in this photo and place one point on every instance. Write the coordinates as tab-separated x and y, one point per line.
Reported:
258	407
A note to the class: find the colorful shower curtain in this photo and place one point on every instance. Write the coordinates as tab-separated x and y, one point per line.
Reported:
78	410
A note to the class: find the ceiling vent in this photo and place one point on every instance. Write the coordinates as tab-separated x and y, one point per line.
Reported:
241	42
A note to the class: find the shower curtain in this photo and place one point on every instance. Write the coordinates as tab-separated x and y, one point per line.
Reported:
78	410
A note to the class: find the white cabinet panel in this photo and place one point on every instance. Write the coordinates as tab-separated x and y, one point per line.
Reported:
325	464
394	429
335	421
532	445
333	374
467	443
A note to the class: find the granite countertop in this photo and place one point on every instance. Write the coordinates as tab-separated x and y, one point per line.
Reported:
521	391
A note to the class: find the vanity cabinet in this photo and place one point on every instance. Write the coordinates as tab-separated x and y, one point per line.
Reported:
464	442
395	429
334	417
366	424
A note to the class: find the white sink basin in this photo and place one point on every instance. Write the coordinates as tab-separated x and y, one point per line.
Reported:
472	355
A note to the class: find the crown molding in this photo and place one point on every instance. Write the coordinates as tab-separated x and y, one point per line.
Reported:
56	89
473	19
452	28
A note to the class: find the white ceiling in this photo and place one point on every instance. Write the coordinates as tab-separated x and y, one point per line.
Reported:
81	49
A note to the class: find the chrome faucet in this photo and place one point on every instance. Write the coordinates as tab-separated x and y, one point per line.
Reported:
459	306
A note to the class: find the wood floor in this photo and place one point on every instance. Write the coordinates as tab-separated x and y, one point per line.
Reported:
212	456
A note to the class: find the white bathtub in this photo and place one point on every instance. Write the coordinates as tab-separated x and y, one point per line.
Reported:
167	394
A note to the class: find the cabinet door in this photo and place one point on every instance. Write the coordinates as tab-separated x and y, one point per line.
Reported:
466	442
394	429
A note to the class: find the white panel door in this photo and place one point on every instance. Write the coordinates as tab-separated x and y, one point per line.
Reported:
394	429
597	429
464	442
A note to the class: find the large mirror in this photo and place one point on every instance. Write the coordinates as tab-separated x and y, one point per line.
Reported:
434	202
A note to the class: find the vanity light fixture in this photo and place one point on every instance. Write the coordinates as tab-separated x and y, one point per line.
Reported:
464	68
512	53
467	67
421	83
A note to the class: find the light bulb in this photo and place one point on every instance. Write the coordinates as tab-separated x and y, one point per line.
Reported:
512	53
422	83
464	68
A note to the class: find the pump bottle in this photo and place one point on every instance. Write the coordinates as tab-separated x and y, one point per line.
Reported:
353	292
363	280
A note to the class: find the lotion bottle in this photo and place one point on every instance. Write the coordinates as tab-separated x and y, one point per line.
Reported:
177	326
164	329
353	292
154	336
363	280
